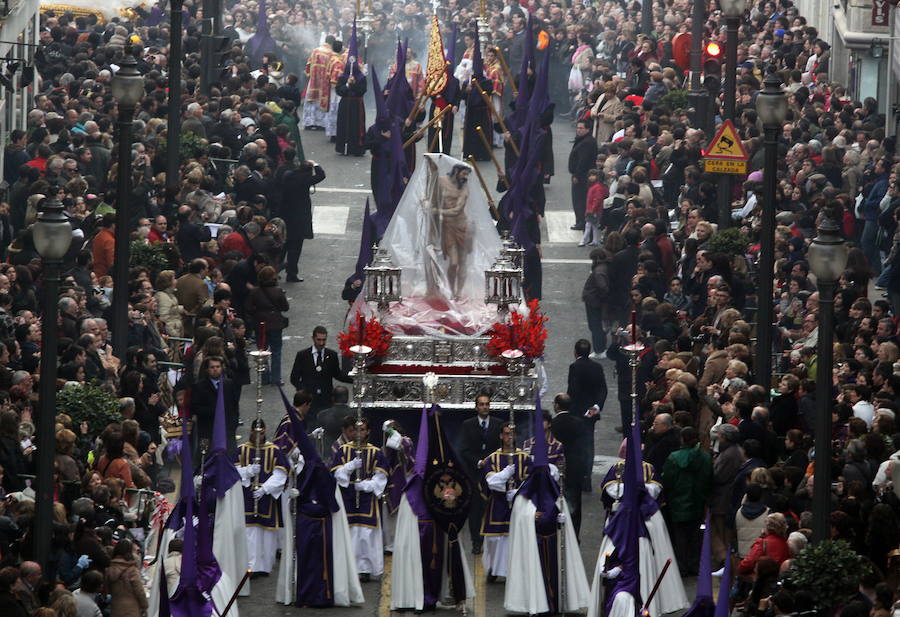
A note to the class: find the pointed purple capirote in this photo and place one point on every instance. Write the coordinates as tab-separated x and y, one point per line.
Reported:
219	472
515	205
703	605
539	486
451	48
261	42
517	118
314	470
366	239
399	99
352	64
626	525
422	444
415	485
188	599
723	608
382	117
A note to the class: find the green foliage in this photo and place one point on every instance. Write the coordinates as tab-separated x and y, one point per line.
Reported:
89	403
729	242
155	257
675	99
191	146
830	571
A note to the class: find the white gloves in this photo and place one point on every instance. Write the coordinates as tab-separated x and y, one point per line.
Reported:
507	472
393	442
259	493
554	472
198	482
511	494
354	464
386	427
293	493
317	433
560	518
252	470
611	574
364	486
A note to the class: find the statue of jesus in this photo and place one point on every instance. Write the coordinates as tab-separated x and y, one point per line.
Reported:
449	196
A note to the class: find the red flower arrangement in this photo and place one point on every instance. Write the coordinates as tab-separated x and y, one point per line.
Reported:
525	332
368	332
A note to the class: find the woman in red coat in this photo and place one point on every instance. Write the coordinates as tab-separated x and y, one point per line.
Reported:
771	543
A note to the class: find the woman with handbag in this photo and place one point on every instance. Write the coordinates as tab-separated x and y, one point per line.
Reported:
265	304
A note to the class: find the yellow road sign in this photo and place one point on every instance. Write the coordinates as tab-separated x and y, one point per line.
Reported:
724	166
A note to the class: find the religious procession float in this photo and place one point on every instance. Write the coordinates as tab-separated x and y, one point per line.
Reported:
443	295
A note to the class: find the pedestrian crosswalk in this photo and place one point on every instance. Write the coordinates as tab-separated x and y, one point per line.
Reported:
333	220
330	220
558	224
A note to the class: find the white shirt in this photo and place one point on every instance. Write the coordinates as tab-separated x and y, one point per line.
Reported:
866	411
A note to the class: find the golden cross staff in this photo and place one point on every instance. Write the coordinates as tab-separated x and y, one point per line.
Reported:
494	114
506	70
424	128
490	151
491	205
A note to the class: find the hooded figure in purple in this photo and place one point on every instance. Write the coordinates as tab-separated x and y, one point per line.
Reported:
319	569
542	542
197	587
201	576
428	552
222	490
635	549
354	283
261	43
399	454
478	114
351	114
388	171
524	202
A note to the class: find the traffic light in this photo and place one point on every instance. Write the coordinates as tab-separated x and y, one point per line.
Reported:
712	67
213	58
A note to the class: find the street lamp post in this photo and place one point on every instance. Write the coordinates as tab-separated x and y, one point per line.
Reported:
732	10
127	88
698	98
647	17
52	235
827	259
771	106
173	130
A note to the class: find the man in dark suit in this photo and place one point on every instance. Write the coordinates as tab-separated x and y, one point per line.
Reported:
191	234
204	394
479	437
316	368
575	432
587	390
582	159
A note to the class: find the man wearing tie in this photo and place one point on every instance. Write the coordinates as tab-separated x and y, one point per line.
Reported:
316	368
480	437
204	394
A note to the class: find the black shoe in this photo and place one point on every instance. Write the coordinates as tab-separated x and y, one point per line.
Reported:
293	278
365	578
240	422
577	227
476	550
491	579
